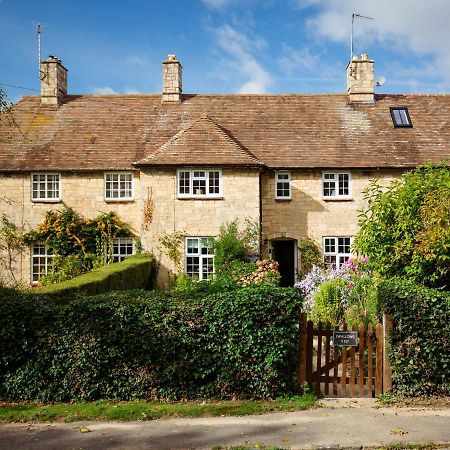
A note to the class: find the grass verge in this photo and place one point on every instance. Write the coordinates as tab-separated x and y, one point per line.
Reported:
142	410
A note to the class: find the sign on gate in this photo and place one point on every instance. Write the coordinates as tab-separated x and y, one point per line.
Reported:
345	338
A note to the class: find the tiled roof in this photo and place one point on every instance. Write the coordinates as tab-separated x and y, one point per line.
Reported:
103	132
201	143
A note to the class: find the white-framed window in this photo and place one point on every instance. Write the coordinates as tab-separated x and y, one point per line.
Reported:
199	257
41	259
46	187
283	185
118	186
336	250
121	248
199	183
336	185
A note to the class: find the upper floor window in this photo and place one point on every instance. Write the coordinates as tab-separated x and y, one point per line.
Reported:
400	117
41	258
199	257
283	185
199	183
46	187
336	185
336	250
118	186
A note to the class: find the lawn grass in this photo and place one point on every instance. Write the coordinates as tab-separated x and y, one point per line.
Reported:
142	410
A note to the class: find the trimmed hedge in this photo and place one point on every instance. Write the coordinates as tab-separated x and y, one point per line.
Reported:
134	272
420	352
141	344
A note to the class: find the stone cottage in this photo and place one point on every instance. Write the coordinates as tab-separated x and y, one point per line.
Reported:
296	164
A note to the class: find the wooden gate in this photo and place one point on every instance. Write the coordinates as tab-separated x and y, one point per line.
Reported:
340	371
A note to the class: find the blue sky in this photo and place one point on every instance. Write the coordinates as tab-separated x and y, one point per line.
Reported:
226	46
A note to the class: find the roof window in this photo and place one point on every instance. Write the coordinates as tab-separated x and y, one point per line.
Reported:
400	117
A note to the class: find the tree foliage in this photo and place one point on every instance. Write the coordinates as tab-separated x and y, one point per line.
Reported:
405	231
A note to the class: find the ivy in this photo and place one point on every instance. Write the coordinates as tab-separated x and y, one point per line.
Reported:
420	344
241	343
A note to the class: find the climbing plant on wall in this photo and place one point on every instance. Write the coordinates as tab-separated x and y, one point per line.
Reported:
86	242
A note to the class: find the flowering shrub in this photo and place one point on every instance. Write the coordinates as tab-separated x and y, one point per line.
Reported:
266	272
341	293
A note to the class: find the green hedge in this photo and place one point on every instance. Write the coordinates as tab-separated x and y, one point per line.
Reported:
134	272
420	354
142	344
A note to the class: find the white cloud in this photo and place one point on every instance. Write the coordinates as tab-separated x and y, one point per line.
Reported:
405	26
292	60
104	90
241	50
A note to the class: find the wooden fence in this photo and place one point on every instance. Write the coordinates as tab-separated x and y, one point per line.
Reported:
360	370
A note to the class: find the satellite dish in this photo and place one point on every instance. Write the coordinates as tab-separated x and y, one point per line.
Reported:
379	81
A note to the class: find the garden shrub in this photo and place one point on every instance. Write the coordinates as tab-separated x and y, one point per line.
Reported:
405	230
134	272
328	302
146	344
336	294
228	247
420	351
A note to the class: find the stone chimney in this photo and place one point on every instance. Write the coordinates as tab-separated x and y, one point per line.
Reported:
53	81
172	80
360	80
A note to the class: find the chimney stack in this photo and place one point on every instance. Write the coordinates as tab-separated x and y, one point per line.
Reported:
360	80
172	80
53	81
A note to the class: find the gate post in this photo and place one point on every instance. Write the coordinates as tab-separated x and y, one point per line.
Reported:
379	360
387	334
302	350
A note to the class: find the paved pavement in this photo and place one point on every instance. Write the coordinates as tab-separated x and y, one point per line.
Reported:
344	422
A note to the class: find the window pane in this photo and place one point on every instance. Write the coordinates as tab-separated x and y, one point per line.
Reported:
192	246
193	265
329	188
344	184
199	186
330	260
184	183
207	267
214	182
330	245
344	245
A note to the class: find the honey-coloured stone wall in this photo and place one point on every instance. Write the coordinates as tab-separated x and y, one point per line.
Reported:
84	191
195	217
308	214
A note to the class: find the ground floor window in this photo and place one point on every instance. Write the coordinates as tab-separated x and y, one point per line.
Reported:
41	259
121	248
199	261
336	250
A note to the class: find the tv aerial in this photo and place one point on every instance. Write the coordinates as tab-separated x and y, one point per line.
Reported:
356	16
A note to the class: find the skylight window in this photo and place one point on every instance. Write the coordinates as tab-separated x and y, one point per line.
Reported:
400	117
